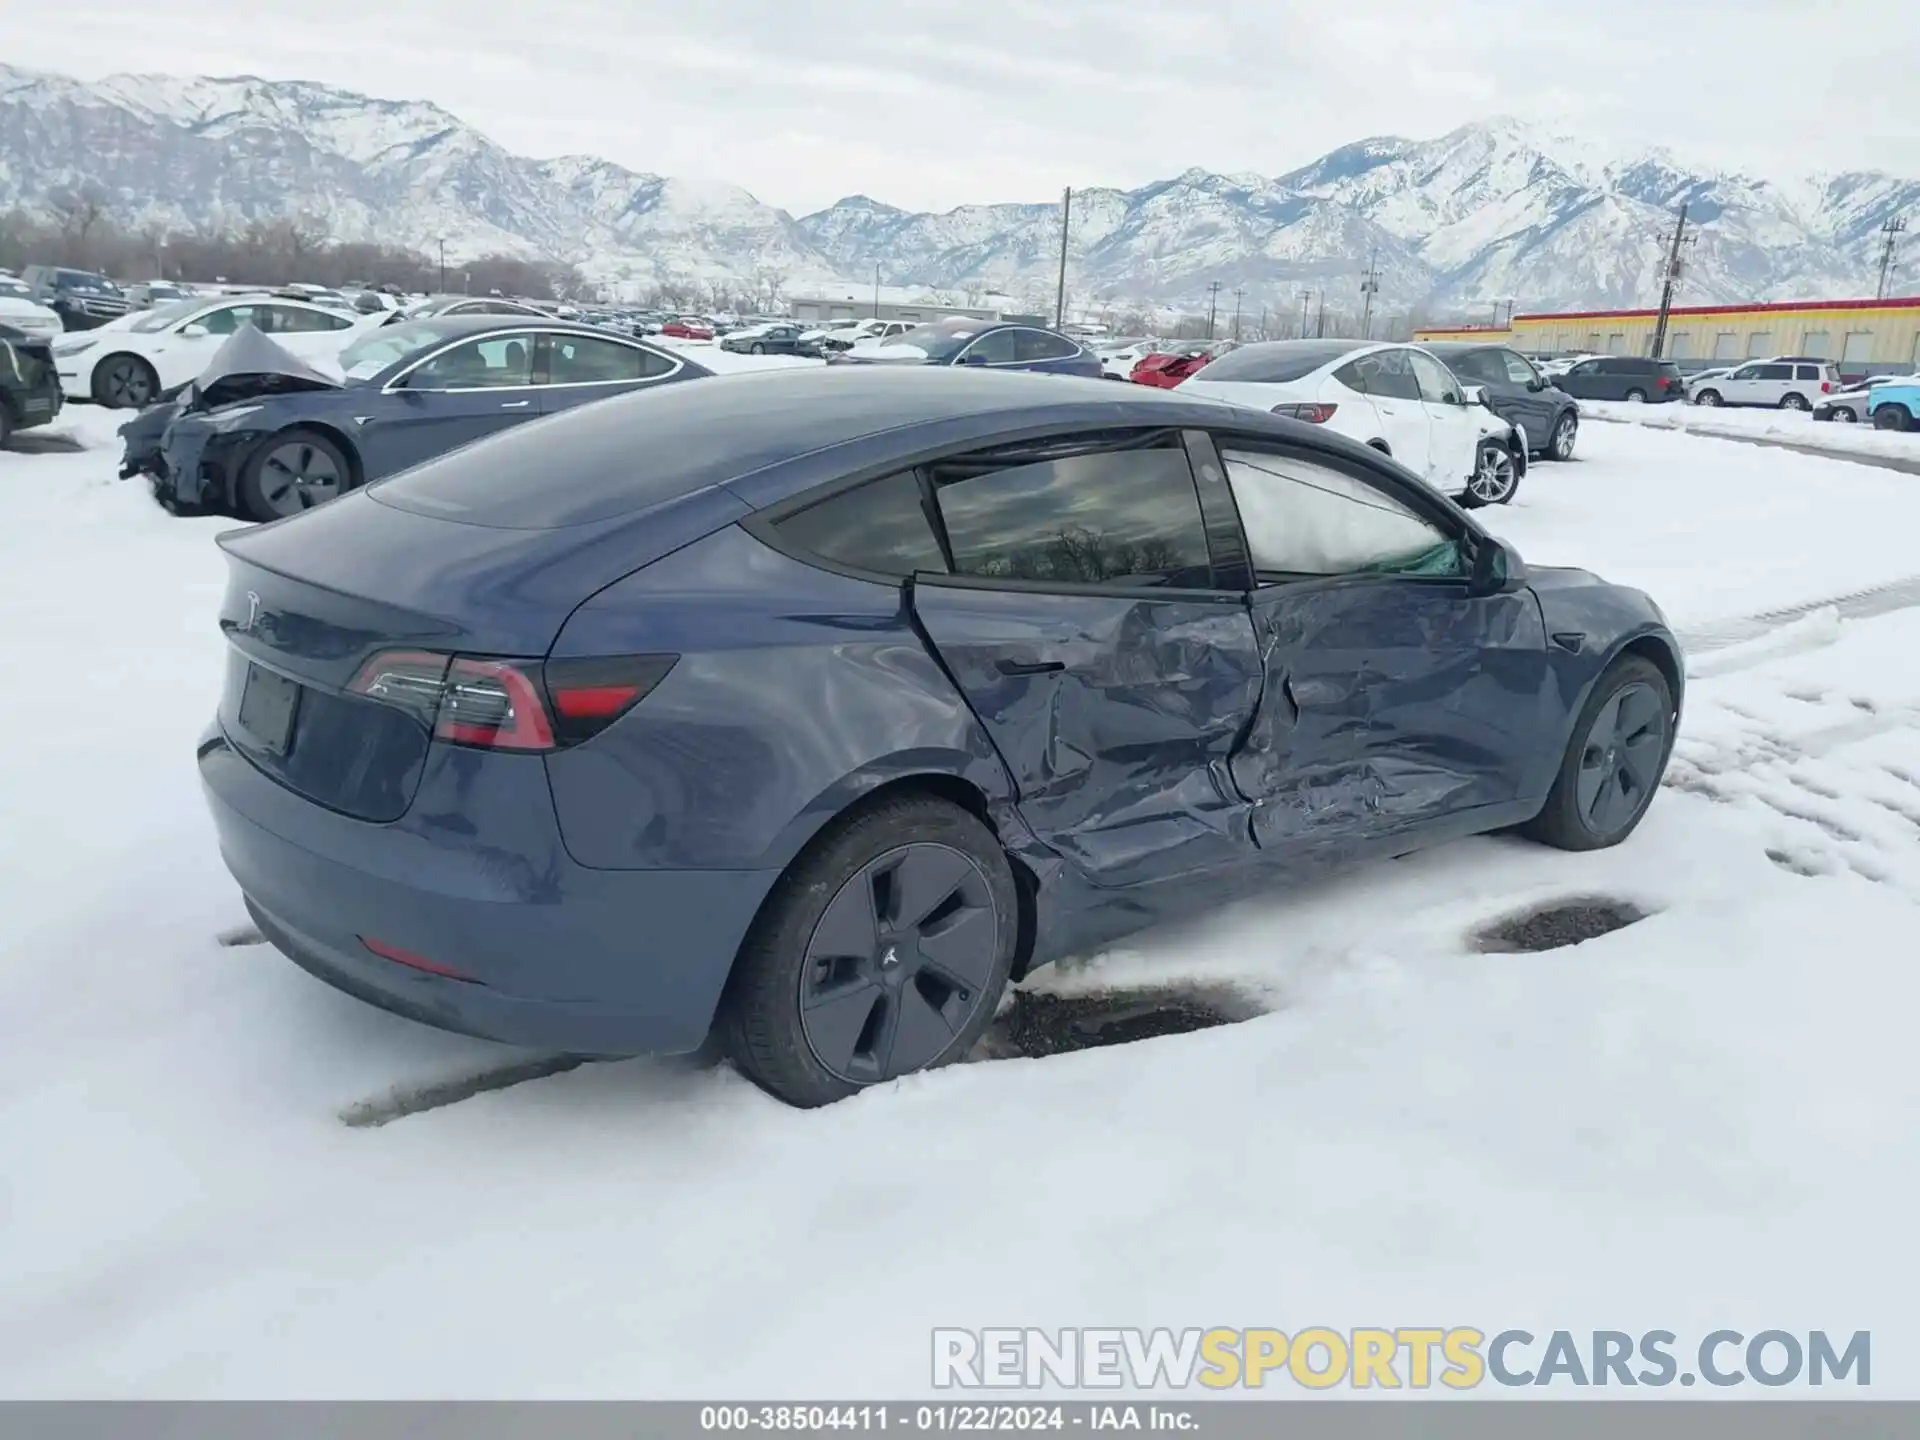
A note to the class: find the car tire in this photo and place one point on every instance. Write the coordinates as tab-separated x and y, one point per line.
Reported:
811	1025
1614	762
1844	414
265	476
1892	417
1636	396
1709	398
756	349
1794	400
124	382
1495	478
1566	433
6	423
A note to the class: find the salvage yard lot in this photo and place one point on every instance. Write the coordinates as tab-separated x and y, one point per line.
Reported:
1700	1121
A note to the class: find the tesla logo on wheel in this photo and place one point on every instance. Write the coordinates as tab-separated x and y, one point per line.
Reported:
892	957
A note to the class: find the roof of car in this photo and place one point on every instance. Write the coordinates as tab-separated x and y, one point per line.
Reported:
769	435
1461	347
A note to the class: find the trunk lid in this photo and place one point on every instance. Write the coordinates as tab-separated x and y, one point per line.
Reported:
312	598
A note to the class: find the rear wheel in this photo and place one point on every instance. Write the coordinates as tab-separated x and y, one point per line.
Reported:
292	472
124	382
1614	762
1892	417
1794	400
1565	432
1496	475
1636	397
881	952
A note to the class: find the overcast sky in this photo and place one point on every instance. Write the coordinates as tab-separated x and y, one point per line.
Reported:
930	103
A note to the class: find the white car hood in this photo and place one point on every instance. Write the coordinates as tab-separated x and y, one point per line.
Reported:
26	309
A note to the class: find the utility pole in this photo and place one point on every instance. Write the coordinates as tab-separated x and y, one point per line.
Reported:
1893	229
1213	306
1306	304
1320	326
1060	295
1670	279
1263	322
1236	313
876	289
443	266
1369	287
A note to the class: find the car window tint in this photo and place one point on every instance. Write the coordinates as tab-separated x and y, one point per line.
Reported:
994	348
1120	517
1806	372
1436	382
291	318
881	527
230	318
478	365
1305	518
1776	372
1388	375
1039	345
1480	367
1519	372
584	360
1352	376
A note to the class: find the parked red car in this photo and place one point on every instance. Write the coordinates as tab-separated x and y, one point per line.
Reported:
687	328
1168	369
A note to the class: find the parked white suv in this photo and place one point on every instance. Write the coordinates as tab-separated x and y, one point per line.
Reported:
1787	382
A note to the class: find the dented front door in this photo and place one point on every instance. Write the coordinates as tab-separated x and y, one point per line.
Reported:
1390	704
1116	715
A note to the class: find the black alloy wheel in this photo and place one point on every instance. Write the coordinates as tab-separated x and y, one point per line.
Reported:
1612	769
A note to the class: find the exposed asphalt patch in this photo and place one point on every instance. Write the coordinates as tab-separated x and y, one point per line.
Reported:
1037	1025
367	1114
242	935
1555	926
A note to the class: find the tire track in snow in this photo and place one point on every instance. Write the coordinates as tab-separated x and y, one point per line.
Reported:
1862	604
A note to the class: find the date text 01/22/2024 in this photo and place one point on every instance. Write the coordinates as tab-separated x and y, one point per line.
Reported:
935	1419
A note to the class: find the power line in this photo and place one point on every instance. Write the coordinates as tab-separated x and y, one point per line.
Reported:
1893	229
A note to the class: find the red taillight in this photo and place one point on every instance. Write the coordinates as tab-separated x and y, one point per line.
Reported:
493	704
1826	387
1312	414
413	961
1665	381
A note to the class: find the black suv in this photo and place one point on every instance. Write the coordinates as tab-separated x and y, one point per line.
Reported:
1625	377
80	298
29	385
1517	393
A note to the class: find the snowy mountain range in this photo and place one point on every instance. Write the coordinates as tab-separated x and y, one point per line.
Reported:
1493	211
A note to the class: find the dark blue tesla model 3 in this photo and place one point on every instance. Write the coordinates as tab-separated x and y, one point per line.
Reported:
816	704
986	344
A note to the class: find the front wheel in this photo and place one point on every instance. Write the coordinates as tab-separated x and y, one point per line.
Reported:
882	951
1892	417
1613	765
756	349
290	473
1844	414
1709	398
1496	475
125	382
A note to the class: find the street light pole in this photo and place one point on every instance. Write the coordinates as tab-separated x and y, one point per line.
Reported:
1060	294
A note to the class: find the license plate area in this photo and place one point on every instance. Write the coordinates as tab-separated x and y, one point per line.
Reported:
268	703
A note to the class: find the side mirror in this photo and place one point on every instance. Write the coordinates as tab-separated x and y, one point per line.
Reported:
1496	567
1536	384
195	331
1469	395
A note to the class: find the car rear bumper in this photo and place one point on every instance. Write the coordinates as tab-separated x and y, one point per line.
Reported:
36	406
553	955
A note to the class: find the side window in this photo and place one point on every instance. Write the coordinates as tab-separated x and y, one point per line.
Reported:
582	360
1746	372
1519	372
1388	375
1032	345
994	348
1303	518
289	318
1115	517
478	365
881	527
1437	385
1353	376
1806	372
1479	367
1776	372
230	318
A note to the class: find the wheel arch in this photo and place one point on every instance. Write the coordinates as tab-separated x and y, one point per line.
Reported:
1382	446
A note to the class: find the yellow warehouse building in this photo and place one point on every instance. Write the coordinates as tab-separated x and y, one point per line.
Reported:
1856	334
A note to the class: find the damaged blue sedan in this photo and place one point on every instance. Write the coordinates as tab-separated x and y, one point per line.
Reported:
267	434
812	707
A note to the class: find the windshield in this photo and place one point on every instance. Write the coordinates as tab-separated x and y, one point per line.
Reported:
941	340
1279	361
161	316
14	288
378	349
80	280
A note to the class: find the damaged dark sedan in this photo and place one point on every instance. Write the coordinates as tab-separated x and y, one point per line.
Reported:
269	435
811	706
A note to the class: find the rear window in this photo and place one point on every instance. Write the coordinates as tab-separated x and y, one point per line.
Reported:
1275	363
1670	370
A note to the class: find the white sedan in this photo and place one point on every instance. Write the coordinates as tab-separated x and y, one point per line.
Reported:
19	309
129	362
1399	399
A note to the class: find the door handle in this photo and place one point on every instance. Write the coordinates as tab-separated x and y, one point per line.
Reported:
1029	667
515	404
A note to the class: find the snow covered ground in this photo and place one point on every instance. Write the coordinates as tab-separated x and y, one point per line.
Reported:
1703	1120
1788	426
